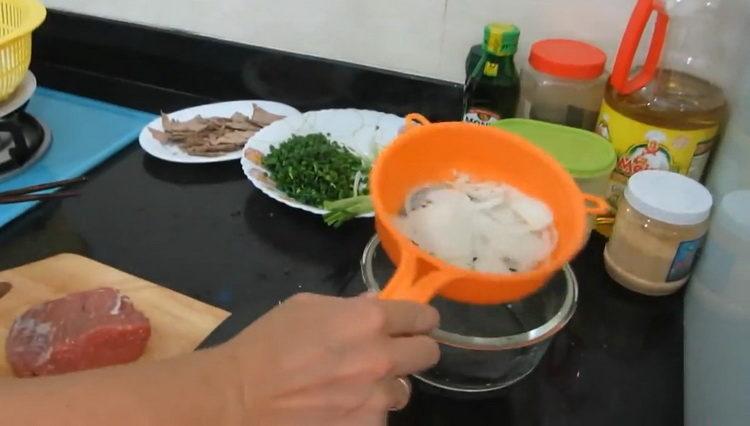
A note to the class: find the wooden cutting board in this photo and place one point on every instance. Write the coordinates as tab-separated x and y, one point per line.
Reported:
178	323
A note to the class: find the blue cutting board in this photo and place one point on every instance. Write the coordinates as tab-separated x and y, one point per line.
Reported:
85	132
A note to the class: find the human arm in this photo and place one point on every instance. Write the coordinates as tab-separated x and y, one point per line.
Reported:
314	360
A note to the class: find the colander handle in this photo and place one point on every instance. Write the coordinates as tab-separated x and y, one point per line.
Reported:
414	120
596	205
404	284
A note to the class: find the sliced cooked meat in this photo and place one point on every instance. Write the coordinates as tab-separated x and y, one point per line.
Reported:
239	121
195	124
213	136
160	136
235	138
262	117
80	331
208	150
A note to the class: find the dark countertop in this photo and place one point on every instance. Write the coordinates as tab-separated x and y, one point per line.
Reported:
206	232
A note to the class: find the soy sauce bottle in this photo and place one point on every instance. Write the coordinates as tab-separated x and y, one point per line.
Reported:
492	86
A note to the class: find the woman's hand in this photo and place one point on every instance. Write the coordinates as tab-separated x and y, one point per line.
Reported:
318	360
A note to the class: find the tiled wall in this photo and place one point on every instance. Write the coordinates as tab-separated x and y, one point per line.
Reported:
423	37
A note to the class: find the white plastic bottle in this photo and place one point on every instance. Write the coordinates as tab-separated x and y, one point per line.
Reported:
717	303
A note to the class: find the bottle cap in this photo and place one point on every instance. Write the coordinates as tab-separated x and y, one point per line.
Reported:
500	39
669	197
567	58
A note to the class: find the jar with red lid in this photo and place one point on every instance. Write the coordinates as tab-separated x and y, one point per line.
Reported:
563	83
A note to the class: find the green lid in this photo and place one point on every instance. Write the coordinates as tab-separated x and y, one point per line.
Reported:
500	39
584	154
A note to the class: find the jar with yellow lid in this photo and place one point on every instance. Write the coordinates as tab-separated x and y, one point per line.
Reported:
661	222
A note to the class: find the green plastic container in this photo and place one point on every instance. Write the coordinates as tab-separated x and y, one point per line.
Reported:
588	157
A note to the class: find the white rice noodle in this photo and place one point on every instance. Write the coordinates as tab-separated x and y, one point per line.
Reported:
486	226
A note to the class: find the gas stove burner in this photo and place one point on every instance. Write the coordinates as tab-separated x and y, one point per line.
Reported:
23	138
23	141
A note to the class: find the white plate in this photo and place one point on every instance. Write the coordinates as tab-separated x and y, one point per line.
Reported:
170	152
19	96
365	132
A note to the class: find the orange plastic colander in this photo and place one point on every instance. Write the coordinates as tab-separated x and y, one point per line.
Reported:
432	153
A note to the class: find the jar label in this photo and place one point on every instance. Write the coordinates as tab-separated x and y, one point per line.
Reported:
491	69
642	146
683	260
481	116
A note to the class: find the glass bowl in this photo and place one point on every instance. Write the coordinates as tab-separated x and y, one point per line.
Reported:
487	347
